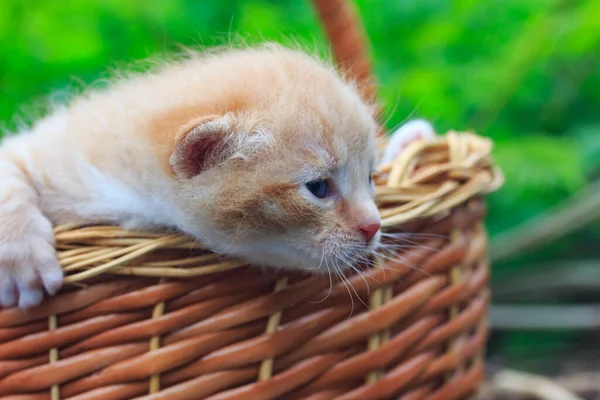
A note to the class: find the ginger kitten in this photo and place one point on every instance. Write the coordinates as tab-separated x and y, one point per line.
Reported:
261	153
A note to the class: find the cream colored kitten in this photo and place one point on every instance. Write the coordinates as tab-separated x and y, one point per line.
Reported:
263	153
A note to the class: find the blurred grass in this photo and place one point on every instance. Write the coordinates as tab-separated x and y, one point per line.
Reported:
524	73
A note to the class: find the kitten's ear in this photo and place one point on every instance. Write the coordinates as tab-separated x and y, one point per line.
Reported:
201	145
407	133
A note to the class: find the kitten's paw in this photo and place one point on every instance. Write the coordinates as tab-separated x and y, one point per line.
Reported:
411	131
28	267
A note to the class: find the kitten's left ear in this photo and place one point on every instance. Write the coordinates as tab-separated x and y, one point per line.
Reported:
417	129
201	145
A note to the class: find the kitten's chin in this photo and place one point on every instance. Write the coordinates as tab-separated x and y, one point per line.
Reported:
276	259
292	259
276	252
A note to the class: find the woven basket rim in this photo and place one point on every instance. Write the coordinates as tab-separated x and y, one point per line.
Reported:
461	162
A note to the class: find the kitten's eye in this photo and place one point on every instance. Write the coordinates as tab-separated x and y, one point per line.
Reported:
319	188
370	178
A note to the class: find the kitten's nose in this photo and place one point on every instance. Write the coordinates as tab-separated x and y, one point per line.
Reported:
369	229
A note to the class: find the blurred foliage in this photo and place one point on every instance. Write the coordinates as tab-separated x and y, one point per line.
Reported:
524	73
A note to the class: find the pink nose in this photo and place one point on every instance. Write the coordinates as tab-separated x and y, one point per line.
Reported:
369	229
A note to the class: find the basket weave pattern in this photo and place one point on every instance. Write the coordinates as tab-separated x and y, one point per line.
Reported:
414	327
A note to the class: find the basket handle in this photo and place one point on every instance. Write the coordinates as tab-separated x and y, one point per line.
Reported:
348	42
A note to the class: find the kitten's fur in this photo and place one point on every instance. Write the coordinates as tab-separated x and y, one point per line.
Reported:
218	146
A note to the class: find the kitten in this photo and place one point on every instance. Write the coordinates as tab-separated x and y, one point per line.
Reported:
261	153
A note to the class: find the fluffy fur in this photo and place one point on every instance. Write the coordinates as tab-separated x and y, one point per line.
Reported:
219	146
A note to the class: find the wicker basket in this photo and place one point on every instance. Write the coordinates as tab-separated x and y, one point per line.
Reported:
157	317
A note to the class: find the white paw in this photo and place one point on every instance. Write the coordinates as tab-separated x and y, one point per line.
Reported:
28	265
411	131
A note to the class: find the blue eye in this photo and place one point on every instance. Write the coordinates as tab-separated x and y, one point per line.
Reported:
319	188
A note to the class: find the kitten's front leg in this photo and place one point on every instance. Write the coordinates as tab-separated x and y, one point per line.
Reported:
28	262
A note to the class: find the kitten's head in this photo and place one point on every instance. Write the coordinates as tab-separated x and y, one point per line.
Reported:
279	173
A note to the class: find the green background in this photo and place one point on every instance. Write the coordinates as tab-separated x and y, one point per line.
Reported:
524	73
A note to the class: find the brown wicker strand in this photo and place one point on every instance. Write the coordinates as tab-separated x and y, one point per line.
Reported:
53	357
157	312
455	277
481	232
266	367
379	297
347	41
375	341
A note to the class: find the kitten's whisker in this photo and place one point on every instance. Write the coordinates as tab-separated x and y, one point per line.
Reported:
363	260
413	234
408	244
399	247
320	263
404	247
398	243
353	288
319	266
330	279
399	258
338	272
398	240
409	265
341	258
